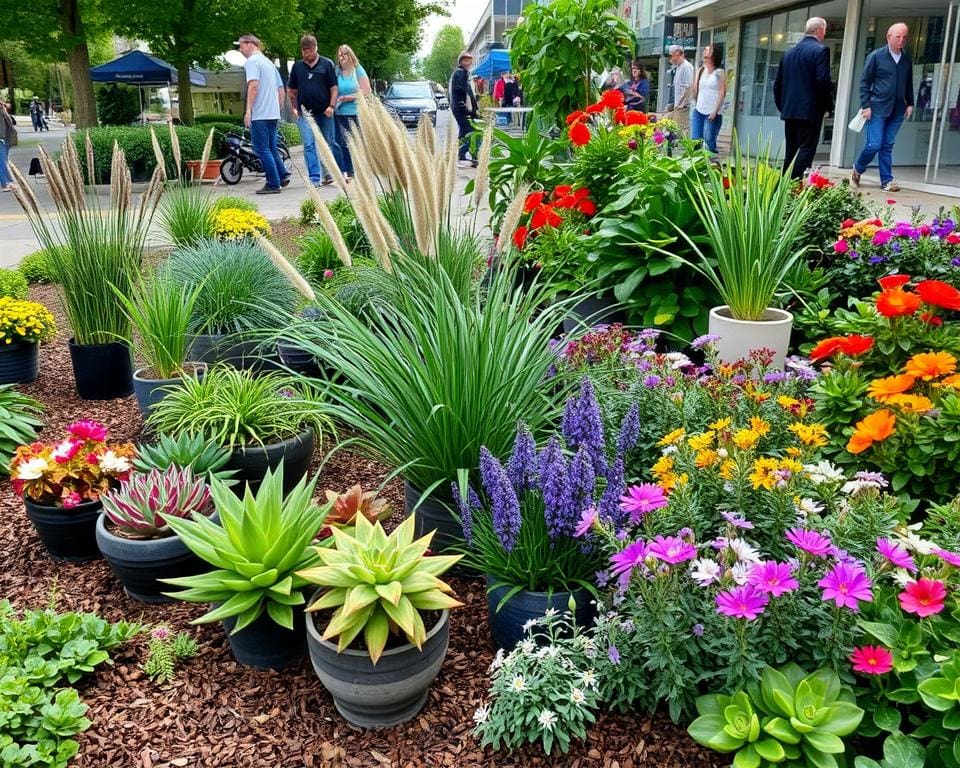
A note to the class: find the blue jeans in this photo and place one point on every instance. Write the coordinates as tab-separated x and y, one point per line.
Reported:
4	174
881	133
328	129
346	124
701	127
263	134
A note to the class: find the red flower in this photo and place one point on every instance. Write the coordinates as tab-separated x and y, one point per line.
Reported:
579	134
896	302
577	117
939	294
612	99
856	344
620	115
827	348
533	200
520	237
877	222
587	207
595	109
562	190
567	202
953	238
727	182
872	660
581	193
923	597
847	223
893	281
931	319
891	201
636	118
841	246
545	216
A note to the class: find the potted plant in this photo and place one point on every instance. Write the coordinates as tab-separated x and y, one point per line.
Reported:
186	450
133	534
375	591
257	549
263	420
186	215
752	219
23	326
61	484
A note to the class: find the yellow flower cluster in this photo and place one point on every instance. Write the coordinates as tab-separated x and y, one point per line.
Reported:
25	321
866	229
233	224
770	472
810	434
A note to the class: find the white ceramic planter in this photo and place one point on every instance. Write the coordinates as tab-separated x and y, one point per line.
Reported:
738	338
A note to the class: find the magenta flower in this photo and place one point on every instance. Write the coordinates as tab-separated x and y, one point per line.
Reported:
896	555
587	518
847	585
641	499
815	543
772	578
924	597
630	558
872	660
87	429
672	550
71	500
746	602
882	237
949	558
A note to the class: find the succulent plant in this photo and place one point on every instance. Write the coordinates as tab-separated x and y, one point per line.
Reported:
378	583
185	450
141	503
346	505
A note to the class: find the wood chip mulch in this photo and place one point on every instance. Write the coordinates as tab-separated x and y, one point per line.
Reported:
219	714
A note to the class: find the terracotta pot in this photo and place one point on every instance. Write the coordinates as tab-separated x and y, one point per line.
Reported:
210	173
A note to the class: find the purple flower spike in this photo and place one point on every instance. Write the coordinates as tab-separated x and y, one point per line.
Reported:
746	602
579	491
583	426
629	431
810	541
609	506
613	654
896	555
672	550
847	585
466	509
552	466
773	578
522	466
503	500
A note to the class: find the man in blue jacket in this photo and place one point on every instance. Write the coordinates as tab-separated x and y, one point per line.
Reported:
886	100
463	105
803	93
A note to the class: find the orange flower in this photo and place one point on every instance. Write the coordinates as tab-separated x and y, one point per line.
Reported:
612	99
939	294
580	135
930	365
893	281
881	389
827	348
951	381
855	344
875	428
895	302
916	403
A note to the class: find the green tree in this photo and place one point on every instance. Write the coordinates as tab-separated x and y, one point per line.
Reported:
442	59
559	46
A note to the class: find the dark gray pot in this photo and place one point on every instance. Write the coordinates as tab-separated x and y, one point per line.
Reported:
506	625
139	563
251	462
264	644
434	514
149	392
69	535
384	695
247	355
593	311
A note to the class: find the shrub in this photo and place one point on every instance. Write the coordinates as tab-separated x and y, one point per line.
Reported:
184	451
186	215
12	284
19	415
317	256
830	204
35	267
214	117
138	149
117	104
235	224
291	134
235	202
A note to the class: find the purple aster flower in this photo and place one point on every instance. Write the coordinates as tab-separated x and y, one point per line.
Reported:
522	466
630	558
772	578
652	381
669	381
697	630
853	255
815	543
896	555
847	585
746	602
582	425
687	535
642	499
950	558
587	518
775	377
503	499
955	261
613	654
629	431
466	508
702	341
876	478
801	368
602	578
896	247
739	379
736	521
877	259
552	469
672	550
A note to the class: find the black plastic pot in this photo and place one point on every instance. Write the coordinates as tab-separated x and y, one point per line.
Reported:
264	644
251	462
102	371
19	363
434	514
149	391
593	311
246	355
298	360
139	563
69	535
506	625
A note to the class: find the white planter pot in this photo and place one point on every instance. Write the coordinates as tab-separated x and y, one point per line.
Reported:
738	338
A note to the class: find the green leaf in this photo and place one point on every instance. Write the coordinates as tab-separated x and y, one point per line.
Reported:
842	718
824	741
781	730
900	751
281	614
748	757
708	730
770	750
887	718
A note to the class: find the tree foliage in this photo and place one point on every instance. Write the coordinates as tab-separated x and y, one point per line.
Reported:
442	59
559	46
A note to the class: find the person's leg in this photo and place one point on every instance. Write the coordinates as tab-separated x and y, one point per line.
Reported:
874	130
890	128
282	172
328	127
310	152
465	129
790	141
263	134
808	138
696	125
4	173
711	129
345	126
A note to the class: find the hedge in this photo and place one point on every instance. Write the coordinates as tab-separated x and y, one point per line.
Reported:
136	144
217	118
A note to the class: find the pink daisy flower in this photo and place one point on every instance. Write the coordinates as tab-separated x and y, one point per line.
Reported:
631	557
746	602
847	585
923	597
772	578
672	549
642	499
950	558
896	555
587	518
88	429
814	542
872	660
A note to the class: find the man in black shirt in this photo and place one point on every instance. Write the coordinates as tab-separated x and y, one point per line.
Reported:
313	87
463	104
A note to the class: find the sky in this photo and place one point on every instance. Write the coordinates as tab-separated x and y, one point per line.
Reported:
464	13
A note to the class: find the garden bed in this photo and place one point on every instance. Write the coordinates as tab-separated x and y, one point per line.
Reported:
217	713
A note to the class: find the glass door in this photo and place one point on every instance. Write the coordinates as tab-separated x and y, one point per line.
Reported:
937	100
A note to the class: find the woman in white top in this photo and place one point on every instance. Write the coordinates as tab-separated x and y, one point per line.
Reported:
709	91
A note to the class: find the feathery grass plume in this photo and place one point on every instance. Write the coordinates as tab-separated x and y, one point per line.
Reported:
511	218
363	176
426	135
370	217
323	149
115	175
150	199
452	155
481	181
51	171
158	152
23	192
205	157
295	278
425	214
327	222
372	138
91	170
175	146
395	138
70	174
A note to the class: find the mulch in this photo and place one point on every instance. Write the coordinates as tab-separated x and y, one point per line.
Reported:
218	713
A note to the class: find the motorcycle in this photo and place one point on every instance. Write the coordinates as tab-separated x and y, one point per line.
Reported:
238	149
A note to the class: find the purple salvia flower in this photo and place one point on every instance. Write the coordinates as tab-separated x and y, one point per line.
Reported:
466	508
553	469
609	505
580	484
503	499
629	431
522	466
583	425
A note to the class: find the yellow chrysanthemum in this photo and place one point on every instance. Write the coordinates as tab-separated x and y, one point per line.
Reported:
727	468
915	403
745	439
672	438
794	452
720	424
810	434
701	441
786	402
759	426
663	466
706	458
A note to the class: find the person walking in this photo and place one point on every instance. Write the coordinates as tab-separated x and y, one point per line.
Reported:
313	87
262	115
463	104
886	100
683	74
352	83
636	90
8	137
498	88
803	92
709	91
36	114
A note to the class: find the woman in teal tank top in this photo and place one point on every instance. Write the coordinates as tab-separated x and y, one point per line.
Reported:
352	82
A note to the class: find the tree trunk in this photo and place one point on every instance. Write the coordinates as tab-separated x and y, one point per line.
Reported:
184	92
78	59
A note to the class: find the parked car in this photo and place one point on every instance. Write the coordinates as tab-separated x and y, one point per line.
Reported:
440	96
407	100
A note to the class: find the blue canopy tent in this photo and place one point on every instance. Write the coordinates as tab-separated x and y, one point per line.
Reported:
142	70
491	64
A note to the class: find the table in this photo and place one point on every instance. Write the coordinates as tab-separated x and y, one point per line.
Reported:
515	127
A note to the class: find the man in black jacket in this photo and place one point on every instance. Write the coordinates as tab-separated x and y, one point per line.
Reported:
803	91
463	104
886	100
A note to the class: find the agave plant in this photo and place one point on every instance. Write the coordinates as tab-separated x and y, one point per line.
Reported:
258	548
378	583
187	449
143	502
353	501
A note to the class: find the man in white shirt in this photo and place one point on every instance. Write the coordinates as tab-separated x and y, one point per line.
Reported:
682	83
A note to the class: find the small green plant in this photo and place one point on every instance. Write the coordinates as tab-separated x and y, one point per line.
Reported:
318	258
234	202
13	284
19	417
186	215
165	651
139	508
184	450
35	267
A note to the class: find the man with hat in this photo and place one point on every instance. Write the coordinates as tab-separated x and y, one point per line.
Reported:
262	116
463	104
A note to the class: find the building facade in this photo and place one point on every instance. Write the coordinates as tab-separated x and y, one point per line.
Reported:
754	36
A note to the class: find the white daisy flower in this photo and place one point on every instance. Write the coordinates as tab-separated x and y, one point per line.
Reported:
497	660
110	462
744	551
547	719
806	507
577	696
704	571
741	572
32	469
589	679
519	683
823	472
481	714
